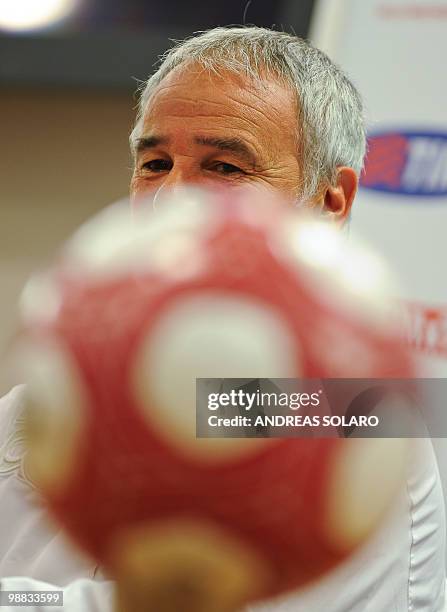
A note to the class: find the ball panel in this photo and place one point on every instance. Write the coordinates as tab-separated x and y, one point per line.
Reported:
55	415
114	243
342	273
40	301
209	335
362	480
186	565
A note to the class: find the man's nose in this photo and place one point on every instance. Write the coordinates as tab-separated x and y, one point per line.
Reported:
177	178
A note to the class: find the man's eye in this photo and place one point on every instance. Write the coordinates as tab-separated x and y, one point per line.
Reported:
224	168
157	165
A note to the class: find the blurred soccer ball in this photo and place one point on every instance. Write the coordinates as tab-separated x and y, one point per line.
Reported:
137	308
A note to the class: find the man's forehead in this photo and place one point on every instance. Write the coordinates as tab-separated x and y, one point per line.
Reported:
191	74
186	87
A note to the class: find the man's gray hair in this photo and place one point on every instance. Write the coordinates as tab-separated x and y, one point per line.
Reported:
330	123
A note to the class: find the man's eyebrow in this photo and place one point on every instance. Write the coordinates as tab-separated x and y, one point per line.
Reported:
234	145
150	142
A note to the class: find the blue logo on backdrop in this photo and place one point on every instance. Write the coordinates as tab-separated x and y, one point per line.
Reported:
411	163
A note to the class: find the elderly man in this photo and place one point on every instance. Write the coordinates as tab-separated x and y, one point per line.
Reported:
263	109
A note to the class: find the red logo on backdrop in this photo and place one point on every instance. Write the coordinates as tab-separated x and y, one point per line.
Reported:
407	162
427	328
385	161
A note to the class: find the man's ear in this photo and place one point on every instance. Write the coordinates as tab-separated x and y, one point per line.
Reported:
337	201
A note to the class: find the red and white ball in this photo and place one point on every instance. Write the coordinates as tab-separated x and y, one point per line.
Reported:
114	337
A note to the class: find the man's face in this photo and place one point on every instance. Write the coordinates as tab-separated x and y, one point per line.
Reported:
218	131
